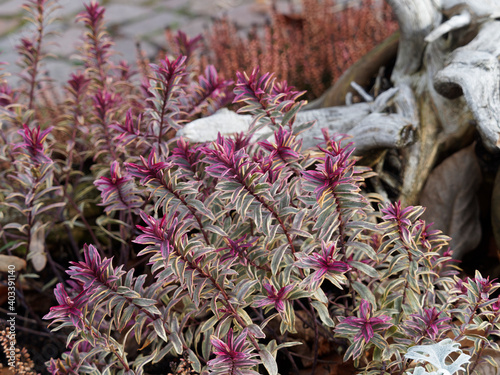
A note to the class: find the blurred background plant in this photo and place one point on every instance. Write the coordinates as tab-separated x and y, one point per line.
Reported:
309	45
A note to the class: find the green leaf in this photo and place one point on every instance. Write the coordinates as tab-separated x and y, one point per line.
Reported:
290	114
377	354
195	362
269	362
364	292
49	207
244	288
17	226
243	314
354	350
412	301
160	329
288	344
277	257
127	315
297	129
490	360
198	291
324	315
298	219
103	221
379	341
267	221
267	320
364	248
300	233
256	331
320	296
245	205
176	342
216	229
138	326
8	244
413	276
365	268
206	345
200	207
143	302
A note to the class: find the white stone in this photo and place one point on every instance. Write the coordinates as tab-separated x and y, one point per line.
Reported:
223	121
64	43
122	14
149	25
69	8
126	49
11	8
195	27
245	16
60	71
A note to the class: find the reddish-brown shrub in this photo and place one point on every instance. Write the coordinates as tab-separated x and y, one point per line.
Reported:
310	49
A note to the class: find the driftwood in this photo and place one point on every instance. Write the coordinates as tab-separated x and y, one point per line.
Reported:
474	71
416	19
445	80
362	72
456	85
368	125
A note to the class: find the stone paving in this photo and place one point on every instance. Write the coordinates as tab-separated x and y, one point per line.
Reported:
128	21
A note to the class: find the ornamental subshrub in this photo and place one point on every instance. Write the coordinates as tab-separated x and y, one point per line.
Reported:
230	254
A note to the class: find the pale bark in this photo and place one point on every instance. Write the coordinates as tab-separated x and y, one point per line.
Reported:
456	22
474	71
416	19
369	129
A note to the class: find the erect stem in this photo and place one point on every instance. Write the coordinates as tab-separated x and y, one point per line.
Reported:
108	346
343	249
162	122
267	207
108	138
33	69
122	361
482	344
406	271
185	204
463	327
226	299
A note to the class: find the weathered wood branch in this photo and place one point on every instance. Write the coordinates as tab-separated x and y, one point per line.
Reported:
360	72
416	19
474	71
431	94
456	22
369	127
479	9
